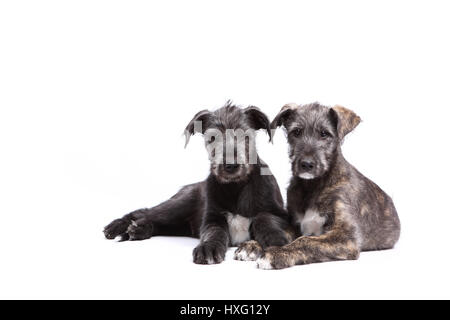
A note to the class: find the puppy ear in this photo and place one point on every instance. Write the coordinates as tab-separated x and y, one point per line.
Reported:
258	119
347	120
284	114
198	124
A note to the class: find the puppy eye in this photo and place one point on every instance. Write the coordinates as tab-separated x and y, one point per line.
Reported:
296	132
324	134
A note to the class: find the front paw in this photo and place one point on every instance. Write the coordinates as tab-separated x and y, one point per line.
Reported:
275	258
248	251
272	239
116	228
209	253
140	230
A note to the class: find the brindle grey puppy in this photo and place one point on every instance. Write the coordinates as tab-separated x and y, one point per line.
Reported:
238	201
337	210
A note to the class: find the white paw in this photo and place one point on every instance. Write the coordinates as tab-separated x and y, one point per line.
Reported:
248	251
264	263
119	238
243	255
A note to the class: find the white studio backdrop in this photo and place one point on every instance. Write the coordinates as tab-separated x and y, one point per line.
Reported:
94	98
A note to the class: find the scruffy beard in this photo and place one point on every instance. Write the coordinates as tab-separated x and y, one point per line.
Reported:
306	176
241	175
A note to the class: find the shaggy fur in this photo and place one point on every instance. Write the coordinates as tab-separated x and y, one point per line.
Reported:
235	203
337	211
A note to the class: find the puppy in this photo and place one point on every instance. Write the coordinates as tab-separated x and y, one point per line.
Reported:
338	211
240	200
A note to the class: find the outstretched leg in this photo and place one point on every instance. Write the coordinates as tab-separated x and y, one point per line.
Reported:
178	216
341	242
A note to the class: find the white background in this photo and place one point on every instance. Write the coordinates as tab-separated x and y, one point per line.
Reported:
94	97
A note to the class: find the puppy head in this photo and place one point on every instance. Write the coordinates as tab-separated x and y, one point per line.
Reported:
229	134
315	133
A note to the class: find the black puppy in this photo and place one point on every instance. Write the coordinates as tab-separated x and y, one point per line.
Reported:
240	200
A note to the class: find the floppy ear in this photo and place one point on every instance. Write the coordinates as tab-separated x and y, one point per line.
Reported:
203	117
258	119
282	116
347	120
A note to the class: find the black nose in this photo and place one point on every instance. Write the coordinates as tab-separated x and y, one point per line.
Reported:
230	168
307	165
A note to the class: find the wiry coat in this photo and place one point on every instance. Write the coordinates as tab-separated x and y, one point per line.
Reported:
337	211
225	209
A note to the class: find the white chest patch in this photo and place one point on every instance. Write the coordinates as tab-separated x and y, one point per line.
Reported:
311	223
238	227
